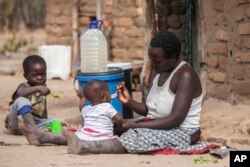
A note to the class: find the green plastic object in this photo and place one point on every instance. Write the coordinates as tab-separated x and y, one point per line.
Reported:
56	126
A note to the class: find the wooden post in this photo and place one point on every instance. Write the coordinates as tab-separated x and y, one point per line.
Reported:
149	12
99	9
202	34
75	45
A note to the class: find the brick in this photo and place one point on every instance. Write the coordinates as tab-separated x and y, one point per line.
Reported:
63	20
108	10
120	59
217	48
248	72
173	21
139	11
218	19
88	9
212	61
139	22
247	43
217	76
67	11
117	52
239	44
218	5
135	53
178	7
139	3
239	14
65	40
223	62
242	57
222	92
55	10
131	12
135	32
241	87
108	2
211	89
248	11
239	72
221	35
123	22
84	20
88	2
117	42
66	31
139	43
50	19
242	2
118	12
132	42
127	3
244	29
118	32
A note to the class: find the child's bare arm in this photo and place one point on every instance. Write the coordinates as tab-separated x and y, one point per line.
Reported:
117	118
24	91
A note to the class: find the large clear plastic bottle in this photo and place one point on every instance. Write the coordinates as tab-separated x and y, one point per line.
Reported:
93	47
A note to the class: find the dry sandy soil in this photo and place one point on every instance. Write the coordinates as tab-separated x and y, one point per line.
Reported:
221	122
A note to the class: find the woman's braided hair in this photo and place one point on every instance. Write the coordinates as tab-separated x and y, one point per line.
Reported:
168	42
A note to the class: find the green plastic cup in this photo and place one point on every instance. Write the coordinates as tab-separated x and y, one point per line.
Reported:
56	126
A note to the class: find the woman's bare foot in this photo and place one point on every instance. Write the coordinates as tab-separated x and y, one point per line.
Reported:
31	134
73	141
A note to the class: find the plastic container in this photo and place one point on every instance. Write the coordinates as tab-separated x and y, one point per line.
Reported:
93	47
112	77
58	60
127	69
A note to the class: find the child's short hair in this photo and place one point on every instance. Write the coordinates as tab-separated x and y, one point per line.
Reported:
98	85
32	59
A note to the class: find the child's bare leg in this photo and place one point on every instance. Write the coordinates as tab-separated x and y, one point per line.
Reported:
22	107
77	146
29	120
37	137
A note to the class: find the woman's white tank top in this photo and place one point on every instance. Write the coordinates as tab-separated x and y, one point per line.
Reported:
160	101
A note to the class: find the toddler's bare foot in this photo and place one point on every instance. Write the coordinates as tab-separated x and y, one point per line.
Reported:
31	134
73	141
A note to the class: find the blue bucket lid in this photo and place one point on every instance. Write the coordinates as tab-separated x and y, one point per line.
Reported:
111	71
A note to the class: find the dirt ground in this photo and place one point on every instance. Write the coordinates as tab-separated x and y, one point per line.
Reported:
220	122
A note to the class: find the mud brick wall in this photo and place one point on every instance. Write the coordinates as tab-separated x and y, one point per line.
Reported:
171	17
128	30
226	30
59	22
125	31
228	49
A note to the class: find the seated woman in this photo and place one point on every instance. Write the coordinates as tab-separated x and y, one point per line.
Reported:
172	108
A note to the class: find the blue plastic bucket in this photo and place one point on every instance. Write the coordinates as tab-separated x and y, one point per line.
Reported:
112	77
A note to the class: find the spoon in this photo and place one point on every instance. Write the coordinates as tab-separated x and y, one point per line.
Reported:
114	95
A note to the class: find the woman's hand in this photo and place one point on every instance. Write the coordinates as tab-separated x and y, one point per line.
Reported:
129	124
123	93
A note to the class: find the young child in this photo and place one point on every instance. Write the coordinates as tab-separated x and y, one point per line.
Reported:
99	115
29	99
